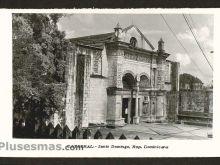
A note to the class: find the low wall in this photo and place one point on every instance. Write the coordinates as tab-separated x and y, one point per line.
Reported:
190	107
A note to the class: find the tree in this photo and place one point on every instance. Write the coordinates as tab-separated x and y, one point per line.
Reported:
39	60
189	79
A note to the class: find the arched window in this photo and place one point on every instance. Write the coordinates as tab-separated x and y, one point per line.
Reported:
133	42
128	81
144	82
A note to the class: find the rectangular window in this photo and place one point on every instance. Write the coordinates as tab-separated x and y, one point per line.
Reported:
167	71
97	64
155	76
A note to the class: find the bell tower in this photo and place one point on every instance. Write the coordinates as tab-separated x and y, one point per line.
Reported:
161	46
118	30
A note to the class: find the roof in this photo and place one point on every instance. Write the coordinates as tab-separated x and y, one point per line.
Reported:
100	39
95	40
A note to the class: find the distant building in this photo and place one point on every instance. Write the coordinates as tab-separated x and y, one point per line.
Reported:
117	78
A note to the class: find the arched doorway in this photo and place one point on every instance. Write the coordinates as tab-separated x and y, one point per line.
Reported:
128	103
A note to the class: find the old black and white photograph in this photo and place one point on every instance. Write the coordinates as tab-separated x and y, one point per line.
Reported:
112	76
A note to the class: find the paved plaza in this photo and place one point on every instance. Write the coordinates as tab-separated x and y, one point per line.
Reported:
159	131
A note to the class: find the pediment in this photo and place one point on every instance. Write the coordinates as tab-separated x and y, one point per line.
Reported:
133	32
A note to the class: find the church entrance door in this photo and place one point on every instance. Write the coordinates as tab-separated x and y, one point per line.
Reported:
125	109
133	104
128	109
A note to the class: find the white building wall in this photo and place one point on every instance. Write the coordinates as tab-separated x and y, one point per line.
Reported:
98	100
98	94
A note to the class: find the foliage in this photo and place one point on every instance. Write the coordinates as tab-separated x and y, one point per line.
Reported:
186	78
39	60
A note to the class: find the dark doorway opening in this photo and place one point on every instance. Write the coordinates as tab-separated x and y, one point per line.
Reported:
125	109
133	104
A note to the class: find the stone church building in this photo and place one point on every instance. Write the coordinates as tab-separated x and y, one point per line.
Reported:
118	78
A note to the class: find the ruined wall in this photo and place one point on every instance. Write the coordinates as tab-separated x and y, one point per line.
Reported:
193	106
210	98
195	101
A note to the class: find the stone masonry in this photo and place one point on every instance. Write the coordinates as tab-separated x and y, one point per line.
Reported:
117	78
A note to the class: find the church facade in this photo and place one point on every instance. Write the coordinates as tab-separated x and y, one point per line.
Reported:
118	78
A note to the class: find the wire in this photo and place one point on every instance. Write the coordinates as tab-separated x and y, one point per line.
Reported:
180	43
188	23
194	25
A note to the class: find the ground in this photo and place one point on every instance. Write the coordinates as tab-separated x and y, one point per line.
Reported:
158	131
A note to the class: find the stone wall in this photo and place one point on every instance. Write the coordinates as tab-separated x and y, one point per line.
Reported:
79	98
195	101
114	111
98	100
97	111
161	73
136	67
175	76
70	95
168	71
161	106
115	59
104	63
172	102
210	98
86	91
193	107
79	68
111	107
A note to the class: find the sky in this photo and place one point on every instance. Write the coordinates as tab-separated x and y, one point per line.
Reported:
154	27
